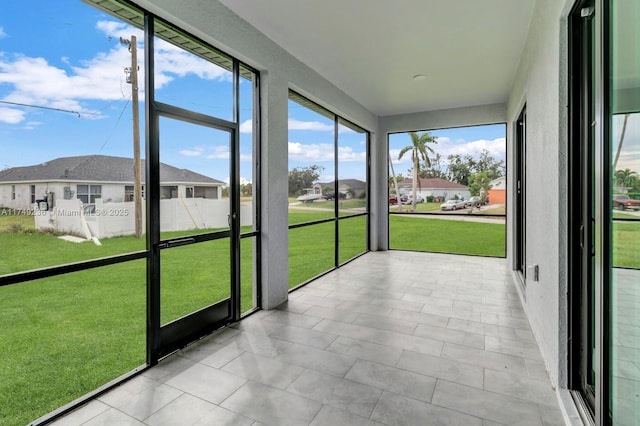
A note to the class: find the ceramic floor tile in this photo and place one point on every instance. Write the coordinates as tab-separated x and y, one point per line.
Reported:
396	380
113	417
494	360
140	397
398	410
340	393
206	382
539	391
272	406
442	368
264	370
323	361
366	350
331	416
387	338
83	414
188	410
486	405
512	347
474	340
386	323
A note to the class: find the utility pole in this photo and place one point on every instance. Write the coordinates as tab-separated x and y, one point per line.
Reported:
132	77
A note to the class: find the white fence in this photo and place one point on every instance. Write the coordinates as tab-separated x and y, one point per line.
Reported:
116	219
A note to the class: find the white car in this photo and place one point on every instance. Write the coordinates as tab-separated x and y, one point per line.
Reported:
409	199
453	205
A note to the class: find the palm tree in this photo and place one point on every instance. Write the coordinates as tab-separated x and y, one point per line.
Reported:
419	152
625	178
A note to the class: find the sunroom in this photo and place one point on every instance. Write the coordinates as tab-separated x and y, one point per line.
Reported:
342	310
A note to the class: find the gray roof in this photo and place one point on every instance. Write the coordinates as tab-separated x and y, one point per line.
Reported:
354	184
437	183
97	168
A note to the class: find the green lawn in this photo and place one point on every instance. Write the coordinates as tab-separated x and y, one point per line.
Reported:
446	236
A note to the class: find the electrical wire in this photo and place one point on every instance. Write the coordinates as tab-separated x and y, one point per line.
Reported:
115	125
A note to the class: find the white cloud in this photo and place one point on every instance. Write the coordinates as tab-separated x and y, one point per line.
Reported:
11	115
310	152
2	33
36	81
496	148
191	152
347	154
309	125
243	181
220	152
30	125
246	126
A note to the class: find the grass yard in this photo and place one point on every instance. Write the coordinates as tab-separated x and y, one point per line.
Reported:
446	236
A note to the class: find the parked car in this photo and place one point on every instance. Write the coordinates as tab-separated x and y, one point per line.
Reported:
475	201
332	195
453	205
622	202
409	199
393	199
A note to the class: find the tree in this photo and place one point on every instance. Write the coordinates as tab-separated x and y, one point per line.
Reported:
419	152
460	168
479	183
436	169
486	163
301	178
626	178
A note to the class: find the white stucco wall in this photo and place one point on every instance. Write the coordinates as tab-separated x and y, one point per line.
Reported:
541	83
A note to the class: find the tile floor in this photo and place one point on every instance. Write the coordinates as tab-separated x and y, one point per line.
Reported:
393	338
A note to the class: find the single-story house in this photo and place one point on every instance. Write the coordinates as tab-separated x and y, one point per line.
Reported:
352	188
498	192
88	177
435	187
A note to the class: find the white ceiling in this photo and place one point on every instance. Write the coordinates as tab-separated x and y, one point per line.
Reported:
468	50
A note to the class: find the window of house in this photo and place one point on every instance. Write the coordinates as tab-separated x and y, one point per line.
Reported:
13	192
88	193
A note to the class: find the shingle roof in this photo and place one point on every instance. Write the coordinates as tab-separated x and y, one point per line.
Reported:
434	183
96	168
351	183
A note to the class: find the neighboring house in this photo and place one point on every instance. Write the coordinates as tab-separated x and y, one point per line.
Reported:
498	192
89	177
353	188
435	187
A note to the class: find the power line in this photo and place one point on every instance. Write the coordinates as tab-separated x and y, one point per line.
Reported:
41	107
115	126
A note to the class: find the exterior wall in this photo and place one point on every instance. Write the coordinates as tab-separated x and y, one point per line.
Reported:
280	71
497	196
541	83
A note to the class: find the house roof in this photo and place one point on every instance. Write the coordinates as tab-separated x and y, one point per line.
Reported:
426	183
350	183
97	168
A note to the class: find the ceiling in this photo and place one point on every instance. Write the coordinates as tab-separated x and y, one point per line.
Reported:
468	50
